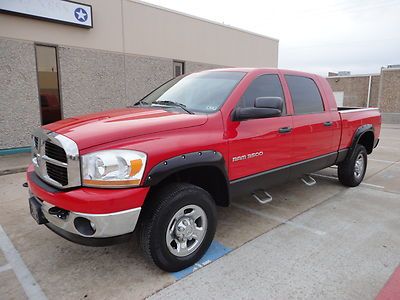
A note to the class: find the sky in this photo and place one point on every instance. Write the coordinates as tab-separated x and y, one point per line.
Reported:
316	36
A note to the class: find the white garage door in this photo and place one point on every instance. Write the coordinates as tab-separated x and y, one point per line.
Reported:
339	98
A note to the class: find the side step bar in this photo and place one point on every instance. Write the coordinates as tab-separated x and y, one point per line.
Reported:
262	196
308	180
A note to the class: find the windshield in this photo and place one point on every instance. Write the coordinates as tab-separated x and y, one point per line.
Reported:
198	92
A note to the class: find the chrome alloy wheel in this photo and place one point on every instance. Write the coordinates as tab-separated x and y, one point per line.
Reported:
186	230
359	166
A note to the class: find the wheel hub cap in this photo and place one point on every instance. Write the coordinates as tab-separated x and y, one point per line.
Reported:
186	230
359	166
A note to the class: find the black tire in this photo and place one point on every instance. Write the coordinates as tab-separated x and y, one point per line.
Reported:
347	169
161	208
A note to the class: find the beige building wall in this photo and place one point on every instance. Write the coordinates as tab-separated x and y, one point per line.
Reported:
355	89
374	91
389	92
135	27
385	92
129	52
153	31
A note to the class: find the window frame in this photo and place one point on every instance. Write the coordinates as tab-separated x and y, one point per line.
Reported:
57	48
291	96
283	94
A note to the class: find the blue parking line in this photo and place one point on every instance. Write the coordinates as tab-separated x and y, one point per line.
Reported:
215	251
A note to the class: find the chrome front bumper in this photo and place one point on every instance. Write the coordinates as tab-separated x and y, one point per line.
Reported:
101	225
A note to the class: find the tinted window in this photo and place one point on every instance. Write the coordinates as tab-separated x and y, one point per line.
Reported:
305	95
262	86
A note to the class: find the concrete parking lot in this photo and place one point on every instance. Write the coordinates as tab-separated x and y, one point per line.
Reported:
324	241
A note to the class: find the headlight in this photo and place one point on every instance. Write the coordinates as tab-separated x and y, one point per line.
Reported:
113	168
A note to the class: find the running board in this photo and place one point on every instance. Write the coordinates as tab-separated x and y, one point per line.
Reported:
265	198
308	180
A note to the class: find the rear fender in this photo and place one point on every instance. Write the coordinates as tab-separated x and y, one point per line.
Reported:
358	135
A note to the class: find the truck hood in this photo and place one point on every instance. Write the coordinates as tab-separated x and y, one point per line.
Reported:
104	127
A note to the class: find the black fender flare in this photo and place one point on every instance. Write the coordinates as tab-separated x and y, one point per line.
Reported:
207	158
357	136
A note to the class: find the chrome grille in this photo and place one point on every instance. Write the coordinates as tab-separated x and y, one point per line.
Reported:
36	142
56	159
57	173
55	152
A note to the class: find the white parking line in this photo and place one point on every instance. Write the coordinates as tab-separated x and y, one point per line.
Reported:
24	276
278	219
372	185
388	147
384	161
4	268
323	176
335	178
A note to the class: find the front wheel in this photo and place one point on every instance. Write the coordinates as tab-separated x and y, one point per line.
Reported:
352	170
178	226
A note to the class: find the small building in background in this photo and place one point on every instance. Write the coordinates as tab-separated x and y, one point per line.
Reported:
370	90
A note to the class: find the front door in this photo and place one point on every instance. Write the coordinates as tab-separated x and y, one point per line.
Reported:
259	145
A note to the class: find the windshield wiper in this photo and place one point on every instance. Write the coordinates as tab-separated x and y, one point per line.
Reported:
173	103
141	102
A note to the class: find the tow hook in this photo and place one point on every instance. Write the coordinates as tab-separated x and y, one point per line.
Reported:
59	212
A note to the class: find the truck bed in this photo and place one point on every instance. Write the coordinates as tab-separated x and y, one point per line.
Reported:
354	117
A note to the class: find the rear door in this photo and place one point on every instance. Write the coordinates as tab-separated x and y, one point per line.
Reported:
258	145
312	120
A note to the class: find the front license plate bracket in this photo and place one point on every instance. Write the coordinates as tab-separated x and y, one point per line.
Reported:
35	208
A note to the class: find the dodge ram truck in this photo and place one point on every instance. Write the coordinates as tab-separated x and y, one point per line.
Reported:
159	168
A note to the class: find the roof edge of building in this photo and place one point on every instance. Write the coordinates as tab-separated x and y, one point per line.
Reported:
355	75
202	19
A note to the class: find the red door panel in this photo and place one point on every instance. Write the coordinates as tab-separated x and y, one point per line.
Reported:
311	138
256	146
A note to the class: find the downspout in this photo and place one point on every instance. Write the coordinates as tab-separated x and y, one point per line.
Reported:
369	90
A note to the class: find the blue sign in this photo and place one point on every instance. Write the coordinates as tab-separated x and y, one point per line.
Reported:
80	14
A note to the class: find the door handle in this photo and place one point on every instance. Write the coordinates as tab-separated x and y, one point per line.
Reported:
285	130
329	123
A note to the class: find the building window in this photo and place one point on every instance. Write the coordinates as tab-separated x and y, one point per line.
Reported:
48	84
179	68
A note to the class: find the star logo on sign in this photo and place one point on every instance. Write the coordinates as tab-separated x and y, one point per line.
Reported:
81	14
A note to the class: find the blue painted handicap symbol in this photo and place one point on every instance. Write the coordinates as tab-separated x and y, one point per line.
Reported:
215	251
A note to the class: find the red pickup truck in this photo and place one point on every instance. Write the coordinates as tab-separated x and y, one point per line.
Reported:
160	167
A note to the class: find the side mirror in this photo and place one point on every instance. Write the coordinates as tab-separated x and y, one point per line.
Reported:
269	102
264	107
246	113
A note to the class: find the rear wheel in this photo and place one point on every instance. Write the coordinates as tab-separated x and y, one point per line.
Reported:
178	226
352	170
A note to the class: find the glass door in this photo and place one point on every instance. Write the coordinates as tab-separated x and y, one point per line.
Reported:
48	84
